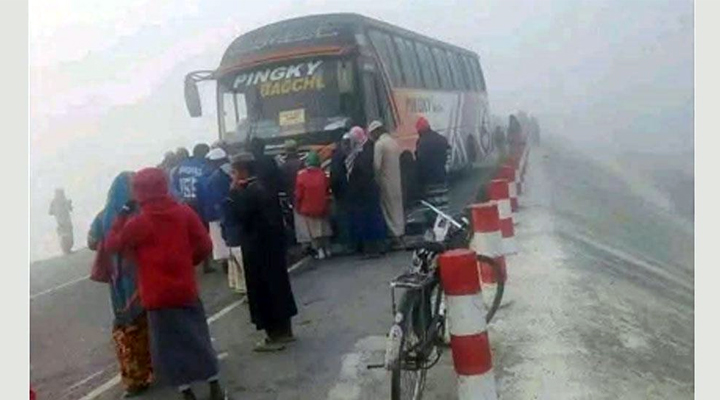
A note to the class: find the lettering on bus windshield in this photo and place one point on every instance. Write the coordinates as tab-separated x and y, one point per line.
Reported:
284	79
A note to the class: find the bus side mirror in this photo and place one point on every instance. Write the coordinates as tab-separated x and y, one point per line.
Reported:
192	97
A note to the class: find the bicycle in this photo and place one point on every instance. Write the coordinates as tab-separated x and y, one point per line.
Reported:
417	337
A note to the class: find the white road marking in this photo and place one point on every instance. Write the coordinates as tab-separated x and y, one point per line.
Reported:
102	388
224	311
56	288
82	382
298	264
116	379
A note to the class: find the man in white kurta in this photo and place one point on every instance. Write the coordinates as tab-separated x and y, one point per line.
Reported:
387	172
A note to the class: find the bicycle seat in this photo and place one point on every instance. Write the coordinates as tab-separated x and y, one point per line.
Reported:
433	247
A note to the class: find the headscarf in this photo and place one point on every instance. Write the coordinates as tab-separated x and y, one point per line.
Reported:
422	125
118	195
312	159
357	138
291	146
150	184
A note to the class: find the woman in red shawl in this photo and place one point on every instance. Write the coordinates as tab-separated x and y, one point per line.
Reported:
168	240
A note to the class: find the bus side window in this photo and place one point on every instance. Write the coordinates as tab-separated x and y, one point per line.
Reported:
386	114
474	80
372	112
427	67
408	62
457	78
388	55
479	74
464	73
443	68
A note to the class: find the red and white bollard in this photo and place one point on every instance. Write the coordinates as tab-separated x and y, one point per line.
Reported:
508	173
499	191
468	331
487	241
487	238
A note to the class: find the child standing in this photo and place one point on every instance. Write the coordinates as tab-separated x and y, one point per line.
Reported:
312	189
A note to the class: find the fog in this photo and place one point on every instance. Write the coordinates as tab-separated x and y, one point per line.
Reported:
106	77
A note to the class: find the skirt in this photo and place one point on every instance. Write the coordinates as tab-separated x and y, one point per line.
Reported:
180	345
236	271
132	347
367	223
308	229
220	249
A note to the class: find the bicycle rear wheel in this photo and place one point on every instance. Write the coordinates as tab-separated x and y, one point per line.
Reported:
408	375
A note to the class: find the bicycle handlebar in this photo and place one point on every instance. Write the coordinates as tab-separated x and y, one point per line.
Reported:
442	214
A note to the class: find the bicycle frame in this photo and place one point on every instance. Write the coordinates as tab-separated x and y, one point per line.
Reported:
425	328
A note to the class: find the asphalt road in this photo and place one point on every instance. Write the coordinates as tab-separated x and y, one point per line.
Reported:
599	303
70	319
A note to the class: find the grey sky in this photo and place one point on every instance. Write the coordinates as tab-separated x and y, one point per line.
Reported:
106	76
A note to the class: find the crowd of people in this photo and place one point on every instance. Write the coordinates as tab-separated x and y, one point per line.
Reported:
222	210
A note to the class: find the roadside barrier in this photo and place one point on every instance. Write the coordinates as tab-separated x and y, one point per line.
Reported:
487	241
508	172
469	339
499	191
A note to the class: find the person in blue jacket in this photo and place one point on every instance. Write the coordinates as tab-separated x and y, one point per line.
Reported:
211	194
188	178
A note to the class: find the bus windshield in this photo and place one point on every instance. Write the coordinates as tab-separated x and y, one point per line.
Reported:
287	99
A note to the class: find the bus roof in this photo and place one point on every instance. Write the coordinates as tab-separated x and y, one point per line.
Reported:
326	33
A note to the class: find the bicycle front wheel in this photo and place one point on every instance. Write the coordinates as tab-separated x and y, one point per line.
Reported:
408	373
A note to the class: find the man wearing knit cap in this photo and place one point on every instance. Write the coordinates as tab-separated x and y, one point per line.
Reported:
431	155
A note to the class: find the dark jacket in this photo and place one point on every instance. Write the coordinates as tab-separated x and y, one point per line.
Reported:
338	175
288	172
268	172
362	186
256	221
431	155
